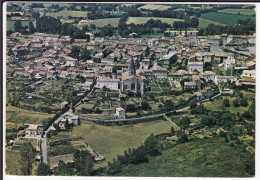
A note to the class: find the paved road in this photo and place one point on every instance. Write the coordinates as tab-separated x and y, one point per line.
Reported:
44	144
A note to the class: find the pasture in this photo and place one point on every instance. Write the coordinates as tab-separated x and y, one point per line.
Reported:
154	7
20	116
228	19
203	23
67	13
104	22
10	24
113	140
143	20
246	12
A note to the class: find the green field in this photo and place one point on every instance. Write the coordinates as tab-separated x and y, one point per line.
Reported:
10	24
143	20
113	140
210	157
205	22
155	7
229	19
69	13
246	12
104	22
19	115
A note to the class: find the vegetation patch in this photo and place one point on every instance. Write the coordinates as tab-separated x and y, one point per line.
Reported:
154	7
104	22
143	20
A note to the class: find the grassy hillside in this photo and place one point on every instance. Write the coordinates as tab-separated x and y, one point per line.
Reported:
69	13
113	140
205	22
10	24
228	19
201	158
247	12
143	20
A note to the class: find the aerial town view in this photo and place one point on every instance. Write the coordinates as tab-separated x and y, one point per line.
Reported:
141	90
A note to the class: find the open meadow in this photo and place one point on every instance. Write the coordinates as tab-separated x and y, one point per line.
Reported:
113	140
67	13
203	23
104	22
143	20
246	12
228	19
154	7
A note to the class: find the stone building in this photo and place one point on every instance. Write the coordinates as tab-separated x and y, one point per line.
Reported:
132	82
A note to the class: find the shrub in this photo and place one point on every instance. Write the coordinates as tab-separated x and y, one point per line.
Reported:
243	102
236	103
226	103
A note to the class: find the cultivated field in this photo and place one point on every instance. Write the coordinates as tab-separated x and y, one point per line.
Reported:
104	22
246	12
19	115
155	7
143	20
229	19
10	24
113	140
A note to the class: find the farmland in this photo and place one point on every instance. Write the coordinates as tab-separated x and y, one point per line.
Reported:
110	141
201	158
228	19
67	13
205	22
10	24
20	116
103	22
143	20
154	7
246	12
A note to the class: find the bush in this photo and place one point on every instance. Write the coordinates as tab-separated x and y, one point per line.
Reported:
243	102
236	103
130	108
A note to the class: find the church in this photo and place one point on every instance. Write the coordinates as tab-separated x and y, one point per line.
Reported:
132	82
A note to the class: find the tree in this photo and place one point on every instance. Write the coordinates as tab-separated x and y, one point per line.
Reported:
226	103
83	163
75	52
172	131
31	27
130	108
85	54
236	103
43	169
243	102
27	158
182	137
168	105
145	105
184	122
18	26
207	66
207	120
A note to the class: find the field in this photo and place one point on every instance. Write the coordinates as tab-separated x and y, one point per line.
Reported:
155	7
13	156
217	105
205	22
113	140
69	13
210	157
19	116
246	12
229	19
103	22
10	24
143	20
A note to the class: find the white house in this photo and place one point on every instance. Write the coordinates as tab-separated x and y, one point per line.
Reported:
192	66
249	74
120	113
224	79
32	130
110	83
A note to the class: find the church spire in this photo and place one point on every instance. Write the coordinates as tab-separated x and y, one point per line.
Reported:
132	67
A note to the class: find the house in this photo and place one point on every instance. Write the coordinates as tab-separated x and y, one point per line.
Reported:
33	130
112	84
248	81
120	113
79	86
227	64
15	18
208	76
69	118
85	22
208	57
63	104
250	74
66	158
192	66
224	79
190	85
